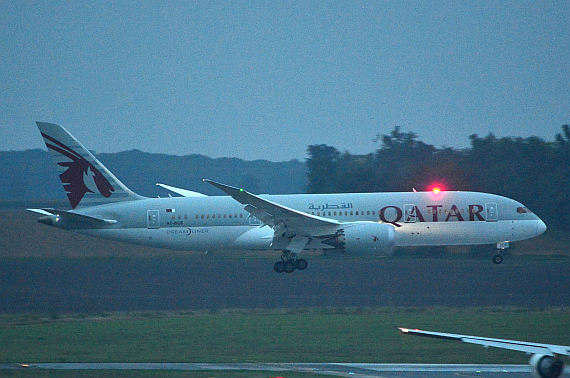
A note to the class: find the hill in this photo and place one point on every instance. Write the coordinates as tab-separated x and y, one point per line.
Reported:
31	175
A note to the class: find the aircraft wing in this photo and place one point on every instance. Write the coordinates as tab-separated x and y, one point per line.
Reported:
521	346
182	192
275	215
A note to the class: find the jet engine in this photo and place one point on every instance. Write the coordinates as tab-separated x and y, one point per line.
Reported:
545	366
364	238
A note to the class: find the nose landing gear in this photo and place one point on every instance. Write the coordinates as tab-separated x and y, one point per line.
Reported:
501	246
497	259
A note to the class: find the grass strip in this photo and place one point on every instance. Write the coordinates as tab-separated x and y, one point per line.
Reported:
314	335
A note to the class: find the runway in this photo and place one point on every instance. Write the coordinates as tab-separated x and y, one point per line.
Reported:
170	283
335	369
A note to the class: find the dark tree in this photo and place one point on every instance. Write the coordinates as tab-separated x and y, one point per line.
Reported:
322	166
529	170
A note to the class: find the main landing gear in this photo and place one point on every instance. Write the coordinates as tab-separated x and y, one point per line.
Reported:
501	246
289	262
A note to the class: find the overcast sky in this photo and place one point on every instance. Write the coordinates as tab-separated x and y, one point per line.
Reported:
263	80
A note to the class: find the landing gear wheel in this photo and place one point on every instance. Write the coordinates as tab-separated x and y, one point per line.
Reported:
288	267
279	267
301	264
497	259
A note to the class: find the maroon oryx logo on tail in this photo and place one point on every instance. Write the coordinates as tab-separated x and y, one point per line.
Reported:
81	177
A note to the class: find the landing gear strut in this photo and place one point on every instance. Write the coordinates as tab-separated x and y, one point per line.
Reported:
501	246
289	262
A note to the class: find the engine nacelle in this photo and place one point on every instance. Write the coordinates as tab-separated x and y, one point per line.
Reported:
364	238
545	366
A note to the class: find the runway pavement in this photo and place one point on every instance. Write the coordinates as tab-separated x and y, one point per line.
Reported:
170	283
335	369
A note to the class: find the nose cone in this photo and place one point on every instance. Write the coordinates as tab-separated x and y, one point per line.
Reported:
540	227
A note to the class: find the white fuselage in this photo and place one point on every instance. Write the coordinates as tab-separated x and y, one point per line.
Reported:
418	218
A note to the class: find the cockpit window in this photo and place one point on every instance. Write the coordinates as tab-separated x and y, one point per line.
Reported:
523	210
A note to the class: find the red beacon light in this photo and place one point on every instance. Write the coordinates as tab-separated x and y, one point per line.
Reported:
436	189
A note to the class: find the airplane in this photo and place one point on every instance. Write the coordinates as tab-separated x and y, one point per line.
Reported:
351	223
545	360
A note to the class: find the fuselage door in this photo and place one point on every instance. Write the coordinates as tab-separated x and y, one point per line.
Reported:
153	219
491	212
410	215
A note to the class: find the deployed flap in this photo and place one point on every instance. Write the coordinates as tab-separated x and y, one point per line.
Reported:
274	214
521	346
182	192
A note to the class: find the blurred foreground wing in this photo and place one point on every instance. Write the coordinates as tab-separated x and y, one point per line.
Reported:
521	346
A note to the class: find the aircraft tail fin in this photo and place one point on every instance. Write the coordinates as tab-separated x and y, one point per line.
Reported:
85	180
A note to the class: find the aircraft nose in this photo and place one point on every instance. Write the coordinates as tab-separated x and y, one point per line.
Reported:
540	227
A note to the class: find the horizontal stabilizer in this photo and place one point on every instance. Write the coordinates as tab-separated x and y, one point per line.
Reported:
69	220
40	211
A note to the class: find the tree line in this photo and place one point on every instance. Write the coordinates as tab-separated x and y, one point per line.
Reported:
530	170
